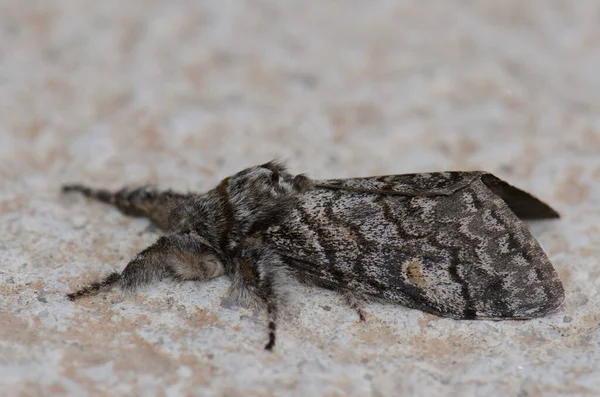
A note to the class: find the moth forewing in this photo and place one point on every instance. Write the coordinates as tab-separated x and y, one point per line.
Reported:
447	244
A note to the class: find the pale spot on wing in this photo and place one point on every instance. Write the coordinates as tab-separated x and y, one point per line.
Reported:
412	269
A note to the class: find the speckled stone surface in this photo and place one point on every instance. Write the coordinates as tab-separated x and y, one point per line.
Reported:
183	93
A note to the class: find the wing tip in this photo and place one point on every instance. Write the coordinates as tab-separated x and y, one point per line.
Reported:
523	204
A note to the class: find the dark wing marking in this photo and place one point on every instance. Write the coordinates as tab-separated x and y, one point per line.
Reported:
446	244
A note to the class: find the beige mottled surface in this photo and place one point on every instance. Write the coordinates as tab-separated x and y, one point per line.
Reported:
183	93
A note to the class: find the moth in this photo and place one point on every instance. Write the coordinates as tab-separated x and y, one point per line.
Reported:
453	244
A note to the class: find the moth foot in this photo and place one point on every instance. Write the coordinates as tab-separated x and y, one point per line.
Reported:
362	315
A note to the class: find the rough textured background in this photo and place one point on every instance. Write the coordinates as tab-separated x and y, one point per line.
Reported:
183	93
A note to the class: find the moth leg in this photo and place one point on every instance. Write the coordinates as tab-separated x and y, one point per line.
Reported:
261	277
356	302
143	201
178	256
272	319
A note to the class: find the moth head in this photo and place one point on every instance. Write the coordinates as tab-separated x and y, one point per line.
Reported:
269	180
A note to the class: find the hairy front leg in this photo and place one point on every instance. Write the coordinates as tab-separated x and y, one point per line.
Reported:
144	201
176	256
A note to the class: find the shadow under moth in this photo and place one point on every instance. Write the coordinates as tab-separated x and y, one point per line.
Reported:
448	243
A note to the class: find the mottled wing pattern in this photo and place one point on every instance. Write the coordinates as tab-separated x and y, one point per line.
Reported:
445	243
423	185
